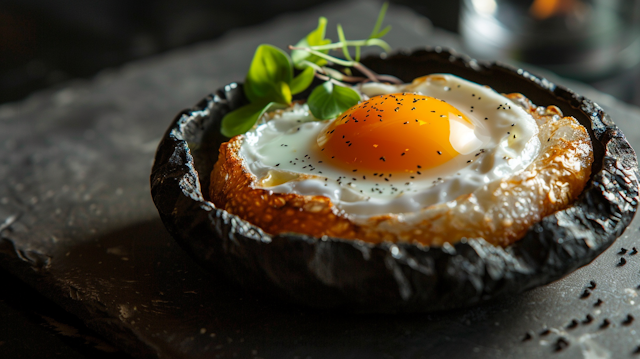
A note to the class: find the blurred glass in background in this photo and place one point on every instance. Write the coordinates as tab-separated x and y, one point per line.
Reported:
588	40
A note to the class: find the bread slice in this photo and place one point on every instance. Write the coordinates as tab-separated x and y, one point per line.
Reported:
551	183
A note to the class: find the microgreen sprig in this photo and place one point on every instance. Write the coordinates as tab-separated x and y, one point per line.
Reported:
270	81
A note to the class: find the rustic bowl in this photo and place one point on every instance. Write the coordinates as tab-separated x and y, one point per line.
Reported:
387	277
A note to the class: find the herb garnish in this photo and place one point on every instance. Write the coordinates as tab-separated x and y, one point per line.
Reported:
270	82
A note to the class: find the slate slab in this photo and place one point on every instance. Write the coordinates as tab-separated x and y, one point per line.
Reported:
77	223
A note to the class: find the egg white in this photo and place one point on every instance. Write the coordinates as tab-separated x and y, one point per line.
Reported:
502	141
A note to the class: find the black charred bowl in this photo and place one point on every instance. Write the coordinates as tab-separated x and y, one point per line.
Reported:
334	272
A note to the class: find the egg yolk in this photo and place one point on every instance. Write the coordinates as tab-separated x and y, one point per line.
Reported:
396	133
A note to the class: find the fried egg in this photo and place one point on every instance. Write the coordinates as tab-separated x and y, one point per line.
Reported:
403	148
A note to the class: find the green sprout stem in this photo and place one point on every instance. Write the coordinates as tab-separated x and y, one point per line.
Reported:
335	60
376	28
330	79
343	41
340	76
369	42
368	73
389	78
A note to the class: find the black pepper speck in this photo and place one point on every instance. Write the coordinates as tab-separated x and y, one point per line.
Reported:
561	344
622	262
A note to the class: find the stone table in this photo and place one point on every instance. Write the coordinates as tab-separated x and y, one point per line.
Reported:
78	225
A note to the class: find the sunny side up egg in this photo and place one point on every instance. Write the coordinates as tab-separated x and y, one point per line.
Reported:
434	161
402	149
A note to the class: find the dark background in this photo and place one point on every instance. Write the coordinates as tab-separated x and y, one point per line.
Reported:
45	43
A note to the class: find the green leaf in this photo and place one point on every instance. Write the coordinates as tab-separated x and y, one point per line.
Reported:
283	94
314	38
303	80
382	32
376	33
270	68
328	101
242	119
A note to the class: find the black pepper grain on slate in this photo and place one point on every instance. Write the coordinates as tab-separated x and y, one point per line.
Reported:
592	285
622	262
605	324
637	350
561	344
622	250
585	294
628	320
633	252
588	319
573	324
598	303
545	332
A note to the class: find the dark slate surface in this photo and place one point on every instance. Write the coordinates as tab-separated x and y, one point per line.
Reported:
77	223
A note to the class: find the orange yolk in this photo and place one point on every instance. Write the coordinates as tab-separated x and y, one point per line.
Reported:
397	133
